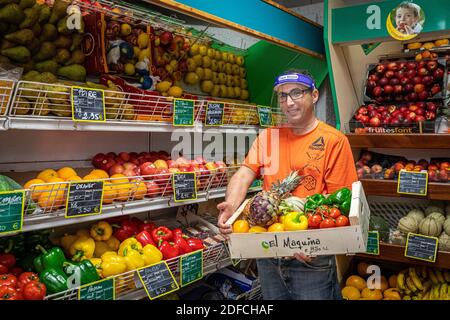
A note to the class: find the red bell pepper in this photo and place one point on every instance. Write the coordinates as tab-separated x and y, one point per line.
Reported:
162	233
169	250
182	244
147	226
127	229
195	244
145	238
8	260
10	293
8	280
178	232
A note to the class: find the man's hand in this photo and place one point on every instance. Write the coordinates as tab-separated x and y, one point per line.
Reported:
303	257
226	211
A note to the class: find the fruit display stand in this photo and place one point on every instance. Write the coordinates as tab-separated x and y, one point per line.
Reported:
350	55
6	87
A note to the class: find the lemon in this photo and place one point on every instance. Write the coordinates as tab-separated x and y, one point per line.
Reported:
137	51
257	229
191	78
207	86
175	92
125	29
163	86
142	40
129	69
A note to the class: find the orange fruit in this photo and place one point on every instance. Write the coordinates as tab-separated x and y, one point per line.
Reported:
350	293
58	185
276	227
393	281
371	294
74	178
138	190
123	191
382	286
91	177
37	190
114	178
240	226
257	229
362	269
356	281
100	173
109	193
51	200
392	294
47	174
66	172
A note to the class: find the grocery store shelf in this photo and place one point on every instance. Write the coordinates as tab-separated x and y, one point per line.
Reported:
396	253
405	141
388	188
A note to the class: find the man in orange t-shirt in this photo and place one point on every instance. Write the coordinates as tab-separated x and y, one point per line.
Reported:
322	155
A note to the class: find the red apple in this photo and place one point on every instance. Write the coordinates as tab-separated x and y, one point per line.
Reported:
373	77
421	64
438	74
375	122
444	165
402	65
129	172
443	175
371	107
404	81
417	80
388	89
360	173
371	84
435	89
420	118
374	113
411	116
392	108
433	175
116	169
389	174
398	89
376	168
395	121
400	74
413	108
418	168
119	160
97	159
420	112
147	169
412	96
362	110
389	74
398	166
153	189
392	66
383	81
364	119
431	106
411	65
125	156
411	73
422	95
171	164
427	80
377	91
106	164
423	163
134	155
129	165
380	68
422	72
394	81
430	115
433	167
409	167
432	65
166	38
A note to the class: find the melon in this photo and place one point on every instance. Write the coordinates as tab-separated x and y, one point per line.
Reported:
432	209
444	242
407	224
438	216
417	214
430	227
447	227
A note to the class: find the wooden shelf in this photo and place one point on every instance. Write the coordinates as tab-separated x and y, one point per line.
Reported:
396	253
388	188
405	141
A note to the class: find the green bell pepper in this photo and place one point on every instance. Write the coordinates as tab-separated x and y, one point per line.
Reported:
345	207
313	202
55	280
342	198
86	270
51	259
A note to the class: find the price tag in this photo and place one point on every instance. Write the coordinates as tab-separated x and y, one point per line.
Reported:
88	105
184	186
85	198
191	267
415	183
12	205
214	114
421	247
100	290
158	280
183	112
265	116
373	243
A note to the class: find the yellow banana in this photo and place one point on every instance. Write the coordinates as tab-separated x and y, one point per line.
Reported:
426	296
410	284
447	275
439	275
401	281
416	298
436	291
443	291
448	291
415	278
427	285
406	298
433	276
432	293
423	272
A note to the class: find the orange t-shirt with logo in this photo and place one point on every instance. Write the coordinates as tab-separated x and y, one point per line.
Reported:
323	157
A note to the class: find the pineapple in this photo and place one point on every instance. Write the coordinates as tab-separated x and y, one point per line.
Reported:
262	209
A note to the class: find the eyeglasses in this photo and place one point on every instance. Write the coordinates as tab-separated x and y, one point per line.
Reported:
295	94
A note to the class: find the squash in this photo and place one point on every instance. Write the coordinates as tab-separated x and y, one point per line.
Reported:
444	242
407	224
417	214
433	208
292	204
447	227
430	227
380	225
447	211
438	216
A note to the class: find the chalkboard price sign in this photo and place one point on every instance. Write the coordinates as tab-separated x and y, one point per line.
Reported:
184	186
11	211
373	243
100	290
88	105
214	114
85	198
411	182
158	280
191	267
183	112
421	247
265	116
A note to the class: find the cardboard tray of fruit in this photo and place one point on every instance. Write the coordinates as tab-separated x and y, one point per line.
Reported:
405	81
313	242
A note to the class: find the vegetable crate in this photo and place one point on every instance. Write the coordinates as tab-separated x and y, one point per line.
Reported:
342	240
128	283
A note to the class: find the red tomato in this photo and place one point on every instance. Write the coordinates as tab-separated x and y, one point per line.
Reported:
314	221
34	291
327	223
16	271
9	293
334	213
27	277
342	221
8	280
324	210
7	259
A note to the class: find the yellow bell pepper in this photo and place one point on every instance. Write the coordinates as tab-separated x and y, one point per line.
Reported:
134	260
100	248
129	245
101	231
97	262
112	264
83	247
151	254
113	243
66	242
295	221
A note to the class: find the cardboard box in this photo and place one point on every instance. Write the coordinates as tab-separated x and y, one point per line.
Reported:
315	242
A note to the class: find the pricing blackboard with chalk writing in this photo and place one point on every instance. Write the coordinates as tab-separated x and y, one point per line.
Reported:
84	198
265	116
411	182
184	186
11	211
191	267
88	105
373	243
158	280
421	247
100	290
214	114
183	112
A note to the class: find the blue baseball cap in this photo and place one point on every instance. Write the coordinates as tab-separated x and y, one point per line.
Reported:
295	78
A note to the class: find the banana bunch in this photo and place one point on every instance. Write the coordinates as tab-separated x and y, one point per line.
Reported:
422	283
